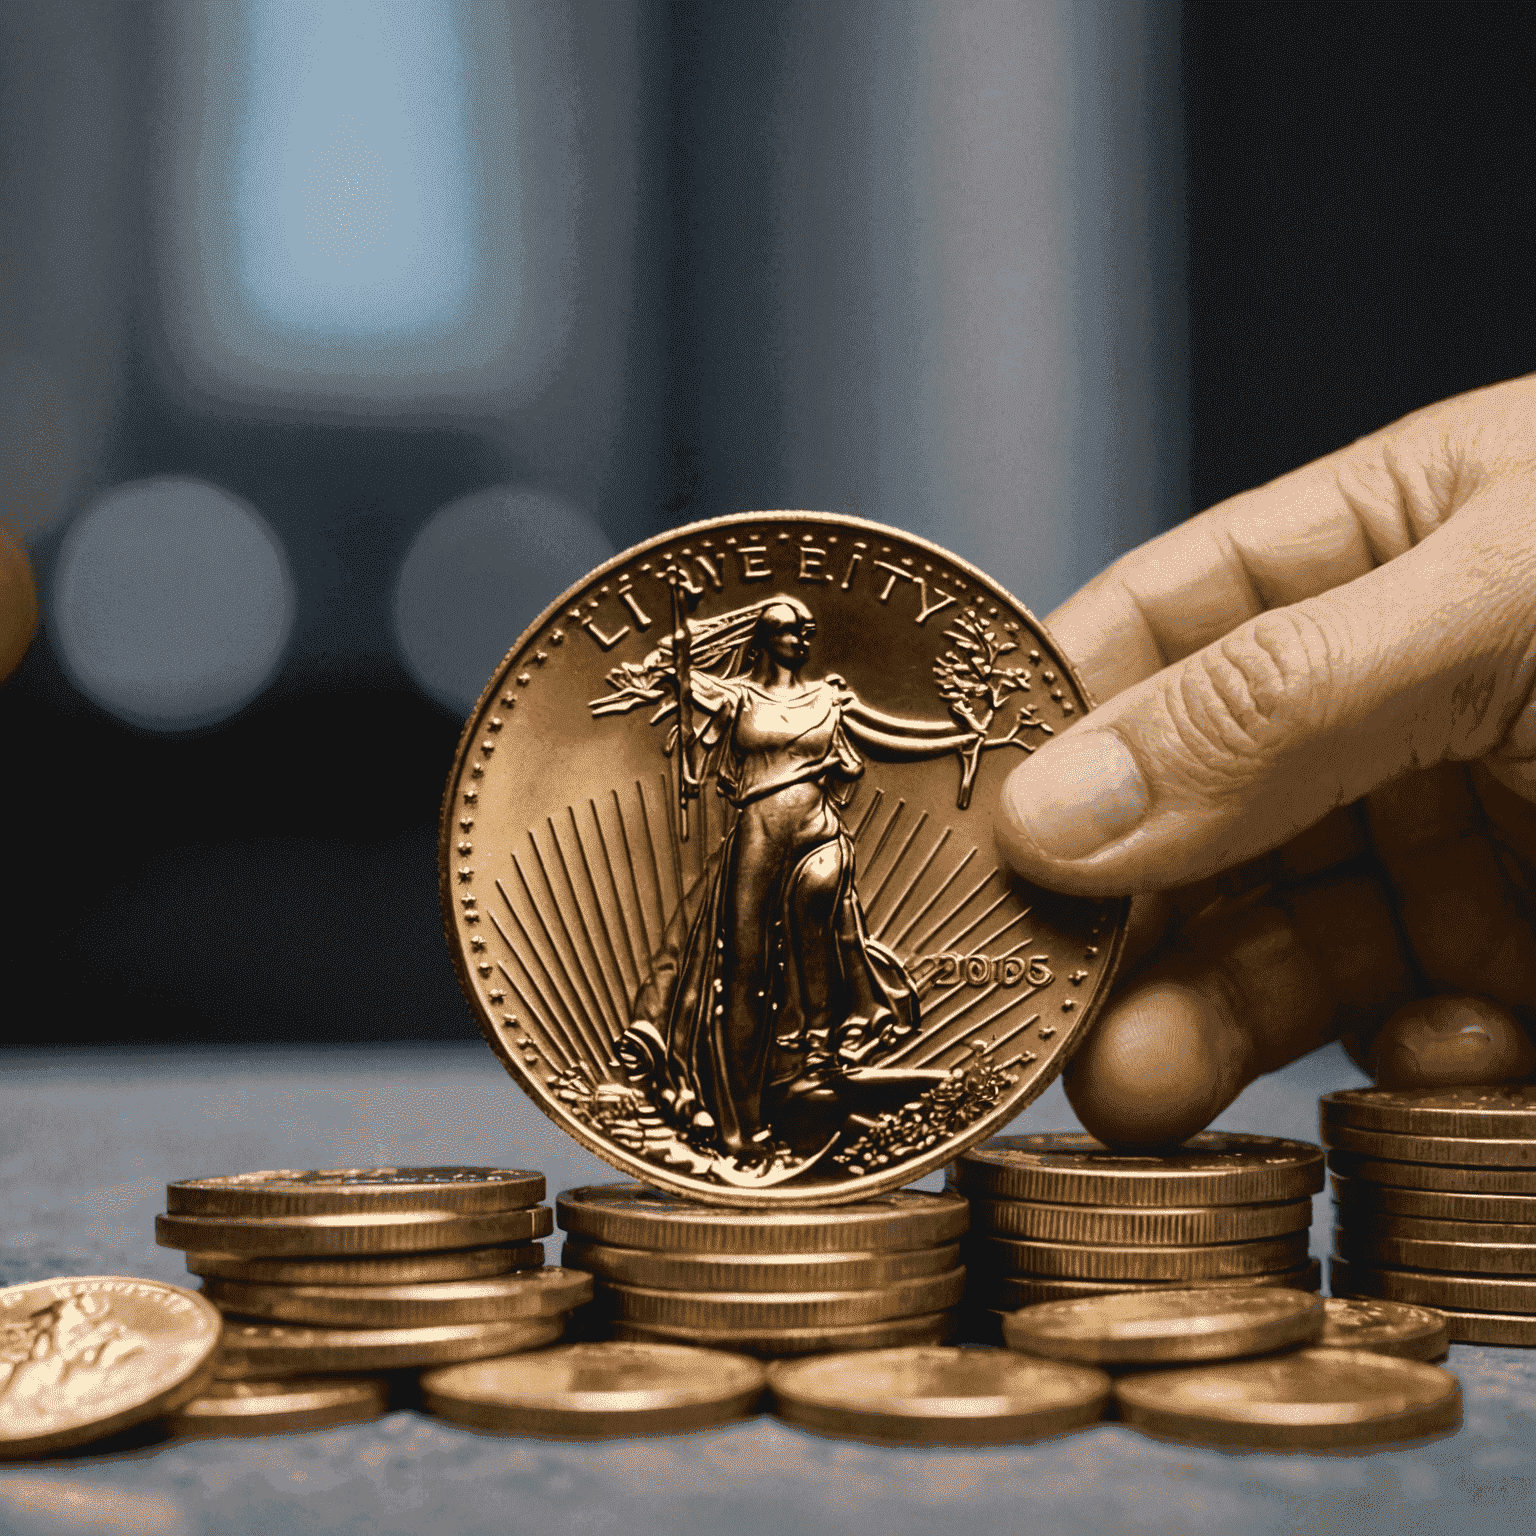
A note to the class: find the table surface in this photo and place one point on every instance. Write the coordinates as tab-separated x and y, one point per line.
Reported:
89	1138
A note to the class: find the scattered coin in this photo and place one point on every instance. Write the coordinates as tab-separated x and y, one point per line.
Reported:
1150	1227
1312	1399
1009	1292
391	1269
597	1390
1384	1327
1473	1293
369	1232
82	1357
937	1396
339	1191
1504	1110
779	1343
1443	1151
1147	1327
1077	1261
284	1407
1433	1177
758	1272
252	1350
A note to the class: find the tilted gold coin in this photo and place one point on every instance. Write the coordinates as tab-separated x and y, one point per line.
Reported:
1071	1168
287	1407
1384	1327
83	1356
1472	1293
401	1269
753	943
1443	1178
1364	1221
255	1350
1189	1226
1508	1328
632	1216
768	1309
1077	1261
1501	1110
1443	1151
539	1293
371	1232
1357	1197
595	1391
1008	1292
339	1191
1312	1399
1148	1327
783	1343
937	1396
1375	1250
758	1272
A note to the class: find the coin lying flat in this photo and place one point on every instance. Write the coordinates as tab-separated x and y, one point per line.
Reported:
1071	1168
401	1269
1009	1292
597	1390
1384	1327
1148	1327
1076	1261
1507	1328
286	1407
758	1272
82	1357
1350	1276
1375	1250
1187	1227
1312	1399
369	1232
1445	1178
340	1191
1502	1110
253	1350
1443	1151
539	1293
937	1396
781	1343
1358	1197
1362	1221
632	1216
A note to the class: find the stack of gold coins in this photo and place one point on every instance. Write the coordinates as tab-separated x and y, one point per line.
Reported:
1057	1216
772	1283
1435	1203
354	1270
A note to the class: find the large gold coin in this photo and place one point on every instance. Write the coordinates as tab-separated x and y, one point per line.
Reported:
255	1350
368	1233
402	1269
1502	1110
1384	1327
1433	1177
1071	1168
286	1407
1443	1151
1190	1226
1471	1293
82	1357
751	1310
1378	1252
758	1272
1009	1292
1072	1261
1359	1198
753	942
539	1293
1362	1221
1313	1399
1150	1327
595	1391
338	1191
937	1396
632	1216
784	1343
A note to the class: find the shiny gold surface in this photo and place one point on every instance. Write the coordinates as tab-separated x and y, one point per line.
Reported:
332	1191
1361	1221
1376	1249
1008	1292
758	1272
1506	1328
394	1269
1076	1261
1504	1110
1182	1227
1456	1151
1353	1276
1485	1180
1384	1327
1390	1200
782	1343
291	1406
371	1232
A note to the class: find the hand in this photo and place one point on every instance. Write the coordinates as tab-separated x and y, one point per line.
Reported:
1315	765
18	604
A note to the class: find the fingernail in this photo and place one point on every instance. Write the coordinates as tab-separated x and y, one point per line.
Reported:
1076	795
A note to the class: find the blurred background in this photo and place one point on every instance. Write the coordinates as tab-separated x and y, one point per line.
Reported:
337	337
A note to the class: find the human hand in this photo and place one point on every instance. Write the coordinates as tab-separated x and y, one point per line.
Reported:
1315	766
18	604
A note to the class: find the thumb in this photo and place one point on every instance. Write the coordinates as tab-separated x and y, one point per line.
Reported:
1243	744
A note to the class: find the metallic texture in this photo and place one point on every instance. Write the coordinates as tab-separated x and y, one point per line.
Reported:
1459	1151
1186	1227
356	1234
285	1407
1384	1327
783	1343
389	1269
737	1272
1503	1110
323	1191
1486	1180
1008	1292
1070	1261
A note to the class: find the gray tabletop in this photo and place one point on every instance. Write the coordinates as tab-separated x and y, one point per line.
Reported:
89	1137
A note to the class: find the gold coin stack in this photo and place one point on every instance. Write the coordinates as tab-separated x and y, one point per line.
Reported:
1057	1216
1435	1203
770	1283
331	1272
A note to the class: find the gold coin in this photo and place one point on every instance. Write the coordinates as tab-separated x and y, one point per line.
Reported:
1147	1327
539	1293
1506	1328
1009	1292
1071	1168
1446	1179
284	1407
367	1233
1443	1151
1072	1261
758	1272
1376	1252
83	1356
783	1343
254	1350
931	1395
1384	1327
752	1310
1471	1293
596	1391
403	1269
338	1191
1367	1222
1186	1227
1362	1199
632	1216
1502	1110
1312	1399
